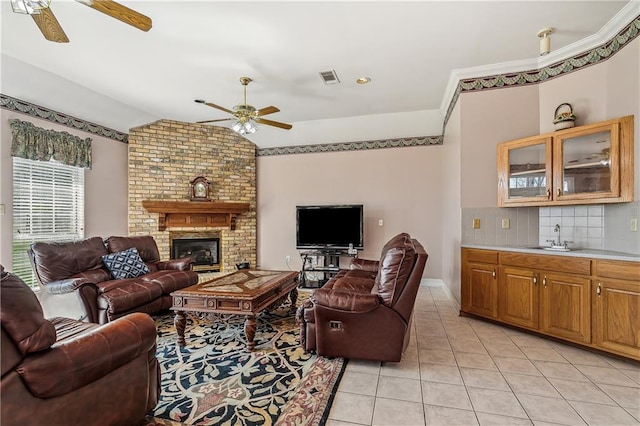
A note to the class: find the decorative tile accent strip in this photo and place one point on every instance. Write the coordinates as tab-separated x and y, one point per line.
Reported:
13	104
351	146
591	57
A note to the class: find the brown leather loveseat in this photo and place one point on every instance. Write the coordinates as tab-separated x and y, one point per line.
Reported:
62	372
78	267
365	312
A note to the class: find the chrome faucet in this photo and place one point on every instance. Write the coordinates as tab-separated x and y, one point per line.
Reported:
558	243
555	243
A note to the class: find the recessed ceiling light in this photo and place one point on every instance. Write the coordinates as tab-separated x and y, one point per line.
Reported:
363	80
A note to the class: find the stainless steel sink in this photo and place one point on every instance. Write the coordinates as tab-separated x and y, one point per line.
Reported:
553	248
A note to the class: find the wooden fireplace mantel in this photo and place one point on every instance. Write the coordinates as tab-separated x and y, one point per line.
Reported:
192	214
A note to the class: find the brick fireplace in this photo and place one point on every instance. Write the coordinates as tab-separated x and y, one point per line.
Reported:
166	155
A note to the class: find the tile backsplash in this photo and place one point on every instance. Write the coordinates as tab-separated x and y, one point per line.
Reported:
599	226
522	231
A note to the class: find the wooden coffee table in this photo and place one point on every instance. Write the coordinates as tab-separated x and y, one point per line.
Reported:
246	292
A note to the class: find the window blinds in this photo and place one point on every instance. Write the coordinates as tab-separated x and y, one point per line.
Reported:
48	205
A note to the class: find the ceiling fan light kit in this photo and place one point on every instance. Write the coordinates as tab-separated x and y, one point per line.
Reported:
247	117
29	7
52	30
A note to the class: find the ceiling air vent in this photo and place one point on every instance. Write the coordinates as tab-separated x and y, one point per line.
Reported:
329	77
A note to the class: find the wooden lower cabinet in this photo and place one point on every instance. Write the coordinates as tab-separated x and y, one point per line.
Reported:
480	283
587	301
565	307
616	307
483	288
518	297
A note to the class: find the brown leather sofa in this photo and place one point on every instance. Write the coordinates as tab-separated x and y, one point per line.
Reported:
67	372
365	312
77	267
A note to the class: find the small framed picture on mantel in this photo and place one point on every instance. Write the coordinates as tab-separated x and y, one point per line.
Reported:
199	189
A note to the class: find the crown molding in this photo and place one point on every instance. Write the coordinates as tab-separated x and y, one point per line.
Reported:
629	13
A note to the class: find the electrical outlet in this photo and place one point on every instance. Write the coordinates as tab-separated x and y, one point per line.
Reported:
380	222
288	259
505	223
476	223
634	224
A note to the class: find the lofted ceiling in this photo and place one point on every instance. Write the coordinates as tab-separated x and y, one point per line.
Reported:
116	76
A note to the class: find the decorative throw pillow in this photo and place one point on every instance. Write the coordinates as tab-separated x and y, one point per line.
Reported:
125	264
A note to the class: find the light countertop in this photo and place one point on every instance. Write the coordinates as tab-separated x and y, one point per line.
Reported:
590	253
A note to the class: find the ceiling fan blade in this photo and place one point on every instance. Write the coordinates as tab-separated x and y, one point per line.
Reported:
274	123
49	26
218	107
213	121
120	12
267	110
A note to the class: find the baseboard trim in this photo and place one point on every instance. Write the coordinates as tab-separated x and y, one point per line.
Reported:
431	282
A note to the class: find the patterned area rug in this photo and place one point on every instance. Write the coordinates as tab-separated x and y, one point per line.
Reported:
214	380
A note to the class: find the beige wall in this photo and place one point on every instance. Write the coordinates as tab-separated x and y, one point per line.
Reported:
105	184
451	212
402	186
488	118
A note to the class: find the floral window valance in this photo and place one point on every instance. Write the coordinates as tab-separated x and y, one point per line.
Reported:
35	143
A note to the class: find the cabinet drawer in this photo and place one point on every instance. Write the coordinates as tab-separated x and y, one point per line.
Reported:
618	270
481	256
548	263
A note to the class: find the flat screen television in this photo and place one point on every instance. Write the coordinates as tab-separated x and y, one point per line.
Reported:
330	227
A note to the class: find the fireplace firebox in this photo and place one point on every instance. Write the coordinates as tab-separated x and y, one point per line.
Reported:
204	251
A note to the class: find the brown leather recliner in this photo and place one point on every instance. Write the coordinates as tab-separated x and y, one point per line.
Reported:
365	312
67	372
77	266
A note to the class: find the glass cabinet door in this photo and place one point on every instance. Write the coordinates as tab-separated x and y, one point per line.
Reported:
525	171
585	163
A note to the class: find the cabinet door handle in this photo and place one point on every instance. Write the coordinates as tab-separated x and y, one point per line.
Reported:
548	193
559	192
494	273
544	281
599	289
535	280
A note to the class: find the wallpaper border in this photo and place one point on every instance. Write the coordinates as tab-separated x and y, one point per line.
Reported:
582	60
351	146
13	104
498	81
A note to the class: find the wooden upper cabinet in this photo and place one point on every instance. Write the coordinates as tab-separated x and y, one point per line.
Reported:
524	171
582	165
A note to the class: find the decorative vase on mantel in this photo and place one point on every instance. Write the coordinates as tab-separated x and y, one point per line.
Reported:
564	118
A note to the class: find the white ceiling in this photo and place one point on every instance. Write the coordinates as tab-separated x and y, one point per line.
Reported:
114	75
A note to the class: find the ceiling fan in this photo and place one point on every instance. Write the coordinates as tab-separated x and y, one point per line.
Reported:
246	116
51	29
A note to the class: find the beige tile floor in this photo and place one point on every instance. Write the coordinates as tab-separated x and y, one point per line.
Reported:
463	371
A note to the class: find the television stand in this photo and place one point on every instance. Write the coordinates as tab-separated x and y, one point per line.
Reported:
318	266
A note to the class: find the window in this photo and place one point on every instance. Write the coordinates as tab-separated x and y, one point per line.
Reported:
48	205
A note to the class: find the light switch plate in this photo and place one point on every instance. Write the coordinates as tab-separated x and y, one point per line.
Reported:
476	223
634	224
